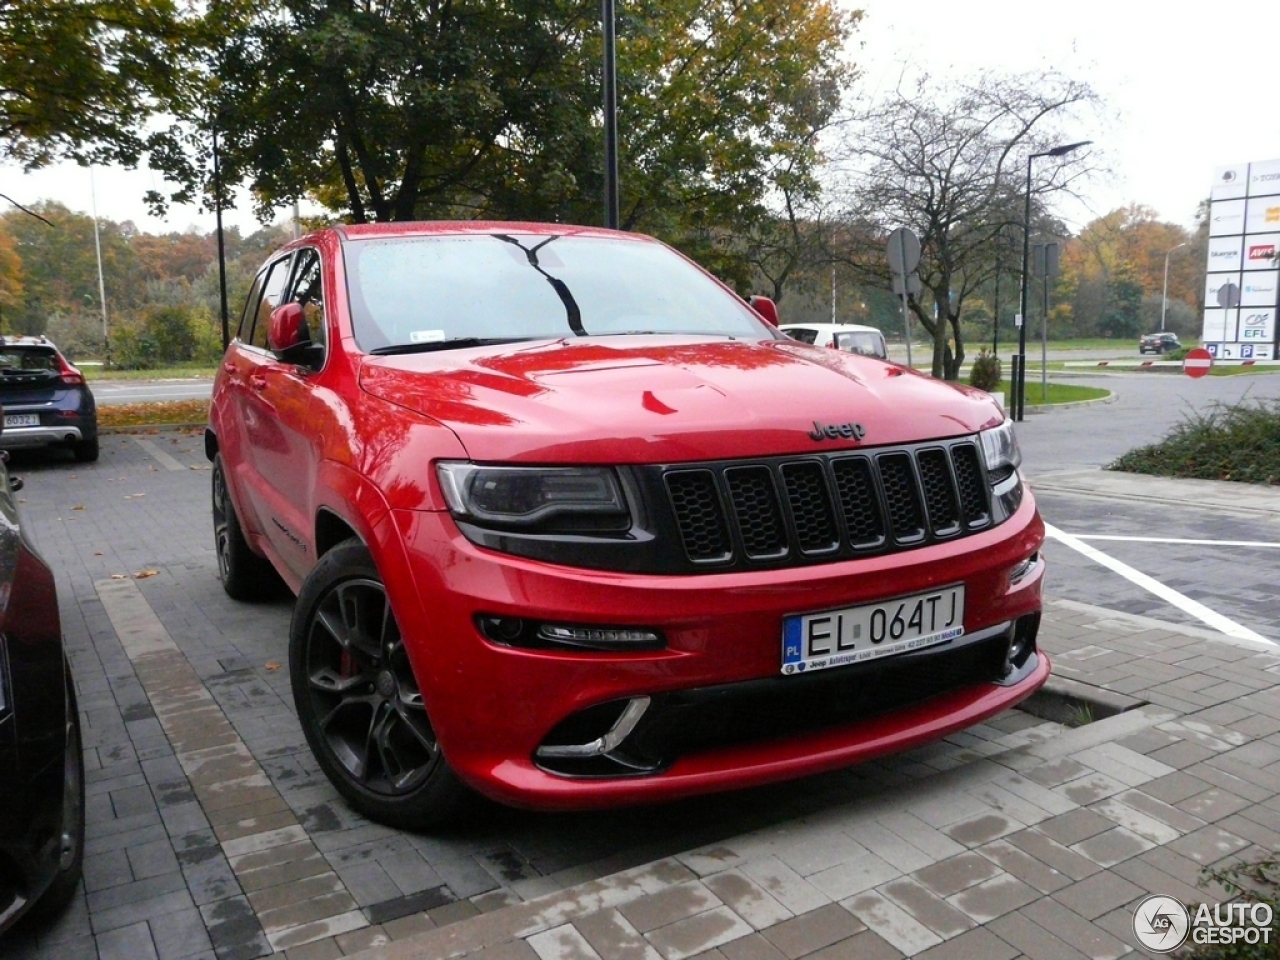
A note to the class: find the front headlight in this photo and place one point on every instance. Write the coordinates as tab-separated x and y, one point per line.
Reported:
1003	457
536	499
1001	452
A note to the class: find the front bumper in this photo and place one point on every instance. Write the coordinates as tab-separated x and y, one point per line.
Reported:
495	706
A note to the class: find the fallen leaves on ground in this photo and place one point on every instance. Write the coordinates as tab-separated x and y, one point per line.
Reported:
143	574
164	412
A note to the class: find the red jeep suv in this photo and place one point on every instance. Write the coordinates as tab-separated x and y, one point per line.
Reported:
571	525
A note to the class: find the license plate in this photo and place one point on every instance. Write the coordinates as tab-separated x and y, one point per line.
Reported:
22	419
834	638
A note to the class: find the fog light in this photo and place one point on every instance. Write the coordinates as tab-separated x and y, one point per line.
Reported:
508	628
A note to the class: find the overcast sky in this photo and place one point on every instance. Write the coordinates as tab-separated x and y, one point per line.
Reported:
1188	90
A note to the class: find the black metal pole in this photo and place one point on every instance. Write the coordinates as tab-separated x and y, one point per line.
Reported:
995	321
222	251
1020	386
610	117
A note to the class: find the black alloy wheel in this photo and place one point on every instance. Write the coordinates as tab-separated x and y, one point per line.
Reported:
244	574
358	699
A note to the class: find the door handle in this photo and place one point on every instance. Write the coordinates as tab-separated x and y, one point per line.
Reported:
229	366
258	383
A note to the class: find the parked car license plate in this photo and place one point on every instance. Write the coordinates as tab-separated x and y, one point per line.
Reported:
22	419
833	638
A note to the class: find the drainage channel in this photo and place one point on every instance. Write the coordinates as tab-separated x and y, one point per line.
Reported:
1075	704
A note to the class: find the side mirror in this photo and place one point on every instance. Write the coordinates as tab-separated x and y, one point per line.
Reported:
767	309
288	338
285	330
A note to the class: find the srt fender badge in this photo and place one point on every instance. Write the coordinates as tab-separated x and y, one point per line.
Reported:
834	431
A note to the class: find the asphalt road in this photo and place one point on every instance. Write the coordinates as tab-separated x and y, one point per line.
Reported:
1234	566
107	392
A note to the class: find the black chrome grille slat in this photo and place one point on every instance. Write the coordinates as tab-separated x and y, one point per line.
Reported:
702	525
789	511
972	490
756	509
859	501
940	500
902	496
809	502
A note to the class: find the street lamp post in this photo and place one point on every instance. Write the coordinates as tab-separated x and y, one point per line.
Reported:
1019	391
610	115
1164	295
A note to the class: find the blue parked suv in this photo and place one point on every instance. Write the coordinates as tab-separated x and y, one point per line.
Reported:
45	399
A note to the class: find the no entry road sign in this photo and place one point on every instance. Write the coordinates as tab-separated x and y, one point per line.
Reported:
1197	363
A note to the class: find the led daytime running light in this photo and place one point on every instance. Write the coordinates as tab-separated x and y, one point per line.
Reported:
599	636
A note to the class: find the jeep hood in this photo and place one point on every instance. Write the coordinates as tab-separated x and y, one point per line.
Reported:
646	399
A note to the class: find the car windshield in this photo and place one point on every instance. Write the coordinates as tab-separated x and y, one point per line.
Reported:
411	293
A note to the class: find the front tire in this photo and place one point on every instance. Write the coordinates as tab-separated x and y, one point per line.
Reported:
358	699
244	574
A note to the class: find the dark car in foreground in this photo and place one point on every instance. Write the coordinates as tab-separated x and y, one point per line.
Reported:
571	525
1159	343
45	398
41	766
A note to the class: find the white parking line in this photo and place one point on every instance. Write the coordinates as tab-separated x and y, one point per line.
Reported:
162	458
1265	544
1167	594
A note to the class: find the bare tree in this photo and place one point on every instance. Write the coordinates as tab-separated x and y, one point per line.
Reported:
949	162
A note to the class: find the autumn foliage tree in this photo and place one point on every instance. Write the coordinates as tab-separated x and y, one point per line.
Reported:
78	78
1113	275
403	109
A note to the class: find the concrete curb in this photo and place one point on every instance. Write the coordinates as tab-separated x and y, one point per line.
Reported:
151	428
1047	407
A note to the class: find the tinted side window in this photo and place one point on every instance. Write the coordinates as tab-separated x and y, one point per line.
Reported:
263	298
803	334
308	290
250	308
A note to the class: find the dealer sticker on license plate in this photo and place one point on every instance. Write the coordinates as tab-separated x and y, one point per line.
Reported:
22	420
817	641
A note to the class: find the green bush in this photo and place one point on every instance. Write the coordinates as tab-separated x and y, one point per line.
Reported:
163	335
1230	442
985	374
1179	354
1254	881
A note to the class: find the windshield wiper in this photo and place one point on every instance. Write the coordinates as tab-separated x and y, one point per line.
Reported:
455	343
572	313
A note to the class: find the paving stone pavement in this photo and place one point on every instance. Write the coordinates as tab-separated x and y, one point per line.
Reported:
211	833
